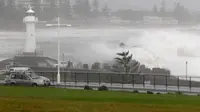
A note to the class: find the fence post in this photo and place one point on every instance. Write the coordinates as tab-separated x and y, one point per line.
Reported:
133	81
87	79
71	76
166	83
99	79
64	73
111	80
154	81
143	77
178	84
53	77
122	81
190	84
75	79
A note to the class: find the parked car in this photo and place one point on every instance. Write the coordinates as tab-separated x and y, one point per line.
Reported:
25	76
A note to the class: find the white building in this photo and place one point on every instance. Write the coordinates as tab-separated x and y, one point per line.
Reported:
154	20
116	20
170	21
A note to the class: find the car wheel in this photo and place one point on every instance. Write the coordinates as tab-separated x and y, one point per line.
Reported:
34	85
12	84
48	85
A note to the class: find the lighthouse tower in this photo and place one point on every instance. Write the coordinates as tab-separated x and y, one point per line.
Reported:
30	42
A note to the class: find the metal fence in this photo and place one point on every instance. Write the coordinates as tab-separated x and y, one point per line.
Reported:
130	82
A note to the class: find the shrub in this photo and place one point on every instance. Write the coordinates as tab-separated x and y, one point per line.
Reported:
170	93
149	92
135	91
87	87
103	88
179	93
158	93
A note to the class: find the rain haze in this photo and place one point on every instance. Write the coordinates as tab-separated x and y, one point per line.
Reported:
166	30
147	4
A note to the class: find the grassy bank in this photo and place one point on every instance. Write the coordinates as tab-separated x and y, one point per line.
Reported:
41	105
21	99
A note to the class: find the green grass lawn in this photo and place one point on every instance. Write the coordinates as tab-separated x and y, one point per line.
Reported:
38	99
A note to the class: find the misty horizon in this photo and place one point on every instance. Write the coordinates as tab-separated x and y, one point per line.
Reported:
192	5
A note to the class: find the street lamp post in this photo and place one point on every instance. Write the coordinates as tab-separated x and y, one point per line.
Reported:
186	70
58	71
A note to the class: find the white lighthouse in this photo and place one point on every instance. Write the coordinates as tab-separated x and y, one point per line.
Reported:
30	42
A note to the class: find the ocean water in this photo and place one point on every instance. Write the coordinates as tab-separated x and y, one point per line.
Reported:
168	48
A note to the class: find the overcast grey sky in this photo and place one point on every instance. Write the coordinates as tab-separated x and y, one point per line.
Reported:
192	5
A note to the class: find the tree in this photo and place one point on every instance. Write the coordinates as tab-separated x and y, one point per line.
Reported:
2	9
86	8
95	8
9	10
77	7
181	13
124	60
52	11
37	7
155	8
105	11
12	14
68	10
95	5
162	9
82	8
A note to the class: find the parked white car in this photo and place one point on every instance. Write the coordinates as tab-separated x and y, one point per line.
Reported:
25	76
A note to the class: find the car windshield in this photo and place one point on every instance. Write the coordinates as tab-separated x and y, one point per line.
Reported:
33	75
